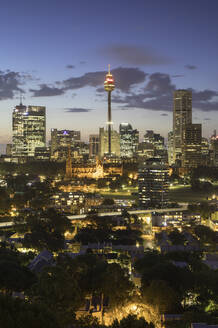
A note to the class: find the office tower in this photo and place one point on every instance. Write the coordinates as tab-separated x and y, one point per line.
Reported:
29	130
153	184
103	143
42	153
8	150
109	87
153	146
205	151
214	149
61	140
93	145
170	148
129	140
182	115
191	147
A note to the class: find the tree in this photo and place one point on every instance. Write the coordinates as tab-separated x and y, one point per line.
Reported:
159	294
13	275
176	237
44	230
205	234
131	321
58	290
18	313
108	201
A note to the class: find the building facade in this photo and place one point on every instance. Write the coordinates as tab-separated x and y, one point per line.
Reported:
103	143
28	130
61	140
192	146
153	184
182	115
93	145
129	140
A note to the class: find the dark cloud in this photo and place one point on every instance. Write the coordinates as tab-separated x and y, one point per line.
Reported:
82	62
158	95
47	91
135	55
70	66
10	83
190	66
207	119
163	114
178	75
125	78
78	110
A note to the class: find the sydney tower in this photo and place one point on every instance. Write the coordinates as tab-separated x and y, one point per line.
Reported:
109	87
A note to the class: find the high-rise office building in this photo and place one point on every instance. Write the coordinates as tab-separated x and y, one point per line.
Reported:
61	140
153	184
129	140
182	115
153	146
192	146
103	143
29	130
93	145
170	148
214	149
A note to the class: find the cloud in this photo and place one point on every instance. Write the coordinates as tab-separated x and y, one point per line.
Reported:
47	91
78	110
70	66
125	78
135	55
178	75
190	66
207	119
158	95
163	114
82	62
10	83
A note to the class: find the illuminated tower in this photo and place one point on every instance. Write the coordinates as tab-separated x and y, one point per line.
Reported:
109	87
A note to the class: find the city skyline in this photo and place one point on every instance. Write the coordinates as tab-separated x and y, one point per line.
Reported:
62	61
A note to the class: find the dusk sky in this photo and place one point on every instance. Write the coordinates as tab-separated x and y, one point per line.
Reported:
56	52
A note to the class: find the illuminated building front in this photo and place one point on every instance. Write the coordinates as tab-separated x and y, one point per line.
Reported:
153	184
29	130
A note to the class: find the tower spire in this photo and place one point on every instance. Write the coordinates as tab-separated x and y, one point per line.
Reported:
109	69
21	104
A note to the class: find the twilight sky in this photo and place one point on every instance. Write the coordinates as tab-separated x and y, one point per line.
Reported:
56	52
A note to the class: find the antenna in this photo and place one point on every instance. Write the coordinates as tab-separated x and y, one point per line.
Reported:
21	99
109	68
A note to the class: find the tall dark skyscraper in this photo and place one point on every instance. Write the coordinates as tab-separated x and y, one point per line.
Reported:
182	115
29	130
109	87
153	183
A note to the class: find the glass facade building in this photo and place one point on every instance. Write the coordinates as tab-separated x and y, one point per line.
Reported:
153	184
29	130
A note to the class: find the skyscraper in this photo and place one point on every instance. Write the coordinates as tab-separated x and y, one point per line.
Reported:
153	184
29	130
61	140
129	140
182	115
191	146
214	149
93	145
114	144
109	87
